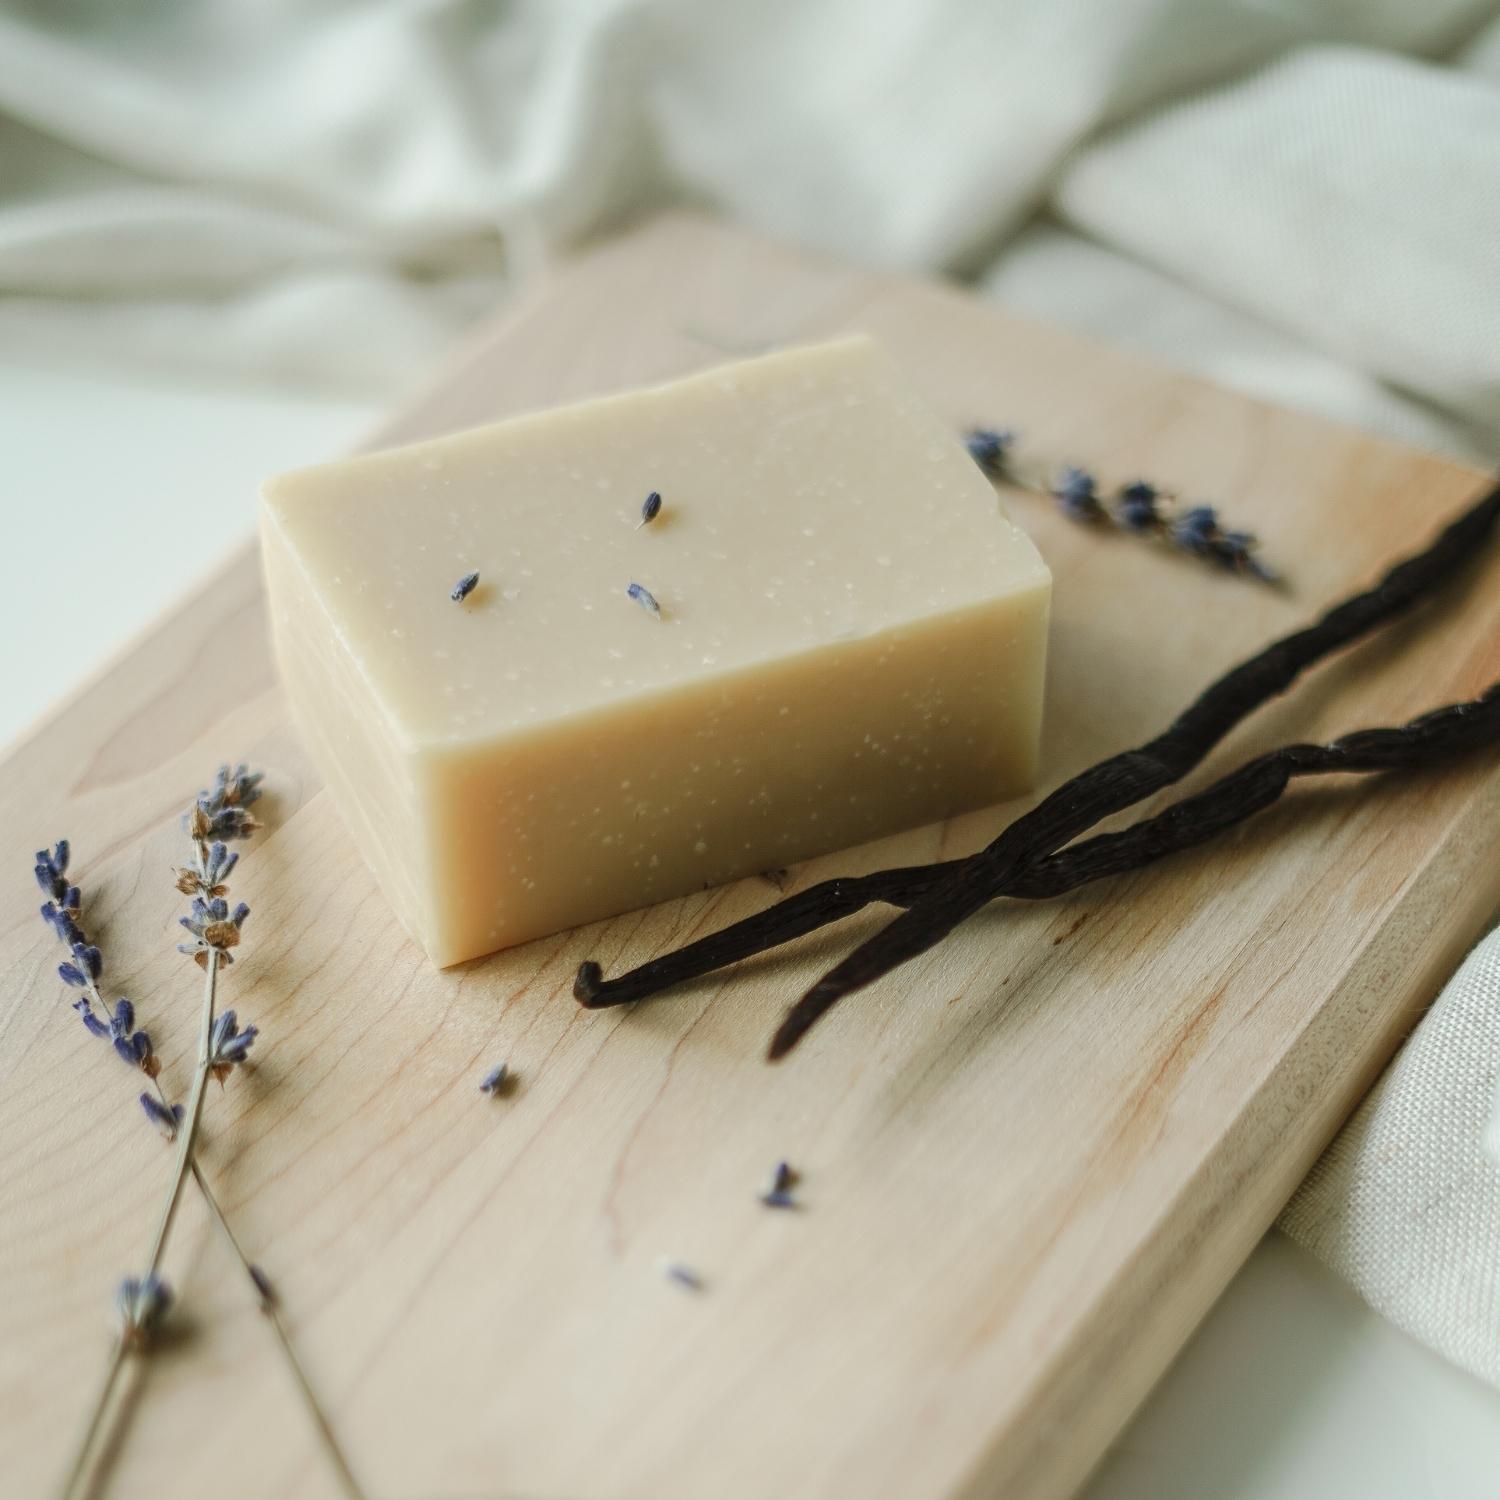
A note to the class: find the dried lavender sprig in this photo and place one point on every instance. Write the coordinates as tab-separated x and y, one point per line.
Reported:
219	814
229	1046
63	913
1125	779
1139	507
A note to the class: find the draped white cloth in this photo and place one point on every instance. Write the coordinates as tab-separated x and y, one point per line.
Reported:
1300	199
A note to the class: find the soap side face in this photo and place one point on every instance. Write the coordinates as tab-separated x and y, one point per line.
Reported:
851	640
371	773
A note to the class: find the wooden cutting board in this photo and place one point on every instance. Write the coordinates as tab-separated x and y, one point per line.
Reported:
1031	1160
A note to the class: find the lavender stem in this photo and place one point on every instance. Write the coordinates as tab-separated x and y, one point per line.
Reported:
264	1300
188	1134
96	1417
186	1137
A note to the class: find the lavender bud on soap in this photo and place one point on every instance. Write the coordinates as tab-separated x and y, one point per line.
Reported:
646	599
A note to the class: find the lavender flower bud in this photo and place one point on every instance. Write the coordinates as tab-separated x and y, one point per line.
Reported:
166	1120
989	447
778	1190
1077	495
88	959
141	1305
685	1276
1138	506
1236	551
645	598
220	812
227	1044
1195	529
86	1013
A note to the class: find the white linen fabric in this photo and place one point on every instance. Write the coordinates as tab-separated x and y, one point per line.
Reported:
1299	199
1406	1202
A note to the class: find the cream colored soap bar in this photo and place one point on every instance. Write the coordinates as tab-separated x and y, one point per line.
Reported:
850	641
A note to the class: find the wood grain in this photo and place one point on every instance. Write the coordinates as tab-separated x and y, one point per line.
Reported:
1030	1160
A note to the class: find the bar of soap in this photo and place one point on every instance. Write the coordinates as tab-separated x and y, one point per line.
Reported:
849	639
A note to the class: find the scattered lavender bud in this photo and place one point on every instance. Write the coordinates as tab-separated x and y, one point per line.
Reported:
166	1120
683	1275
989	447
646	599
778	1189
263	1286
141	1305
493	1082
650	509
70	975
1077	496
1138	506
464	587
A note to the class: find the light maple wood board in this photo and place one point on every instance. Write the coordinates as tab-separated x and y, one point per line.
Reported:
1031	1159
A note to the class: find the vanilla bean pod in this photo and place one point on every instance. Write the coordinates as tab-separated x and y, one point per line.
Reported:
1454	729
1125	779
1193	821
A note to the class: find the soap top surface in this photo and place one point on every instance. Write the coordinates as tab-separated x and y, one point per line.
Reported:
809	497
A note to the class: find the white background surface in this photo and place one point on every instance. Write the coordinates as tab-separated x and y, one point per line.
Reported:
122	492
